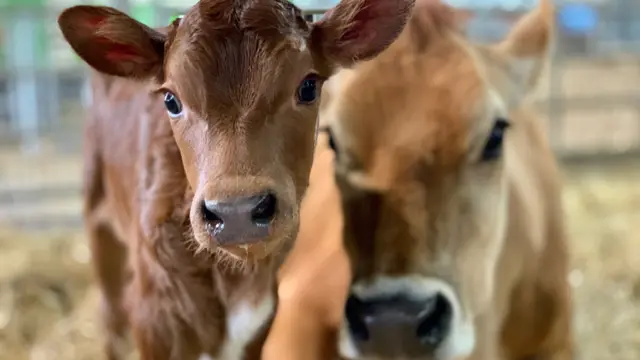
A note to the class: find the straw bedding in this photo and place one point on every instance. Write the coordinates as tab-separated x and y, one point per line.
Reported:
48	303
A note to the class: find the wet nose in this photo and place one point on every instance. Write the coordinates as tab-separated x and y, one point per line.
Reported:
398	326
241	220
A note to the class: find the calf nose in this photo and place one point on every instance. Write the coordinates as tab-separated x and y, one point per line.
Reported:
397	326
241	220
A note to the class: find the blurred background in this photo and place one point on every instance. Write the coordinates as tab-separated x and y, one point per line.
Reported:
591	98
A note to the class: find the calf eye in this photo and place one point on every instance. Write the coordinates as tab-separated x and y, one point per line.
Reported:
308	90
332	142
493	148
173	105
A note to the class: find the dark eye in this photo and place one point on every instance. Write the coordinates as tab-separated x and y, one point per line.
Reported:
308	90
332	142
493	147
173	105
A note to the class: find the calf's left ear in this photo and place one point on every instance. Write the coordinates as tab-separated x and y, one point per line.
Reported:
527	47
357	30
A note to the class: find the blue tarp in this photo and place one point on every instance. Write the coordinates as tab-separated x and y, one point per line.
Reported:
578	18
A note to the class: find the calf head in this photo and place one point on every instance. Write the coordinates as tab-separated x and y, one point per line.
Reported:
241	82
420	163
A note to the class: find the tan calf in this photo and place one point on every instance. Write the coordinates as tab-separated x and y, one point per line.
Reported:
451	202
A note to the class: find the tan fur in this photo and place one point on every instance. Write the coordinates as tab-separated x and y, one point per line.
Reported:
315	277
236	67
409	127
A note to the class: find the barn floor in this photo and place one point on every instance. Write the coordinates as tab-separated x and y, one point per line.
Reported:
47	303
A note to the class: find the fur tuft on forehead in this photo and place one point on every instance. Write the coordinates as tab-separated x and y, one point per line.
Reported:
237	44
268	15
260	16
432	19
436	14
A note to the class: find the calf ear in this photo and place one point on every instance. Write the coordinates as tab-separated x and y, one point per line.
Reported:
527	46
359	29
112	42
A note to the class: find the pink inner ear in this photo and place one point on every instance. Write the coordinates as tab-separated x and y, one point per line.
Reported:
119	52
94	21
359	28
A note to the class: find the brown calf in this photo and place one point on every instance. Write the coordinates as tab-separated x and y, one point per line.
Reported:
198	152
451	198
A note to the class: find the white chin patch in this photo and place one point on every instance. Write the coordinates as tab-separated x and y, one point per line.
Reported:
243	324
346	347
459	344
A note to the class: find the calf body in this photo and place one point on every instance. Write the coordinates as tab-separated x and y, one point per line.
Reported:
197	154
180	302
450	198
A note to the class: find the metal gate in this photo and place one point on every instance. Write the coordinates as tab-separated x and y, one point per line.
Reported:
590	96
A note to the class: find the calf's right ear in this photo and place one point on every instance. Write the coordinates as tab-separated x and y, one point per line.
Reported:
112	42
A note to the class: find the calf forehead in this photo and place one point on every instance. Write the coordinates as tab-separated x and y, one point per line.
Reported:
420	112
235	73
228	52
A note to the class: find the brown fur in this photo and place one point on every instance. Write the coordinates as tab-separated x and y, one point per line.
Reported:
235	66
409	127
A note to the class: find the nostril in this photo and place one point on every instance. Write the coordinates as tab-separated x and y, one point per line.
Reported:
355	312
435	323
214	221
265	210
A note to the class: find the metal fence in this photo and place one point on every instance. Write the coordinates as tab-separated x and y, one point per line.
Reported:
590	96
43	84
594	72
